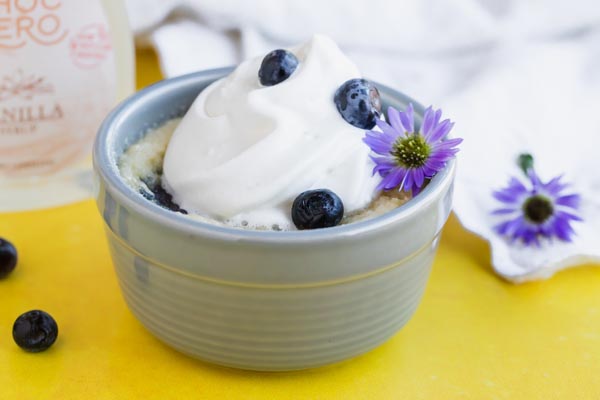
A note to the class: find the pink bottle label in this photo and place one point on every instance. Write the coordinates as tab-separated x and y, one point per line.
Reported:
57	82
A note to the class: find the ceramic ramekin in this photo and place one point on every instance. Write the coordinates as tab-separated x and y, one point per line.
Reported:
261	300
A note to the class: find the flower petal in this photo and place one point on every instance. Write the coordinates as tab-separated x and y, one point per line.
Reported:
440	131
392	180
504	211
407	117
419	177
535	181
395	121
415	190
569	200
516	185
383	165
387	131
555	186
563	230
509	227
567	216
377	143
428	121
408	180
443	154
506	196
447	144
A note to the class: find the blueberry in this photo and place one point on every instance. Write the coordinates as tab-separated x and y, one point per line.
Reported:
320	208
8	258
358	102
35	331
160	196
276	67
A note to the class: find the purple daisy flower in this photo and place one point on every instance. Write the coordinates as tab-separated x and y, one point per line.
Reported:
406	158
536	209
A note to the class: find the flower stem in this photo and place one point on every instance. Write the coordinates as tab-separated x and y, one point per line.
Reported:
525	162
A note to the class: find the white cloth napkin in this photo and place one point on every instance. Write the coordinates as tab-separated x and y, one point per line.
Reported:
515	75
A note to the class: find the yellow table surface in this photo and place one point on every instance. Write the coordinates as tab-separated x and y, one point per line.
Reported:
473	337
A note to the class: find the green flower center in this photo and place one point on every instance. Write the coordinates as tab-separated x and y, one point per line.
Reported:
538	209
412	151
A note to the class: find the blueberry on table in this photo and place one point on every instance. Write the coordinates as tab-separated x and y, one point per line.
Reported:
276	67
8	257
358	102
320	208
35	331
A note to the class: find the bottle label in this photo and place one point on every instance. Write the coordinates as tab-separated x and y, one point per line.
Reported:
57	83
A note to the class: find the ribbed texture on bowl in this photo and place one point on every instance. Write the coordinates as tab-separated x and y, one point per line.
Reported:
270	328
261	300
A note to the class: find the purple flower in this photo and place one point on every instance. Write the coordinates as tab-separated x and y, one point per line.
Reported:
536	209
406	158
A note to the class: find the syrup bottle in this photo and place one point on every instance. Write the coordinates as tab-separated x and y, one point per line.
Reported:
63	65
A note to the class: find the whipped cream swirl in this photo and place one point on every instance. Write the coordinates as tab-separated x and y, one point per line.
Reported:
243	151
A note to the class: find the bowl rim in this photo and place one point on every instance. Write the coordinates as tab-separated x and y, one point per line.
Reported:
105	166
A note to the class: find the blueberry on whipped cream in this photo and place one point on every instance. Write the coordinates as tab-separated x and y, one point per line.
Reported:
320	208
276	67
358	102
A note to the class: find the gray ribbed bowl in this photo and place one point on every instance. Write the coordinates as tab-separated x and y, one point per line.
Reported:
261	300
